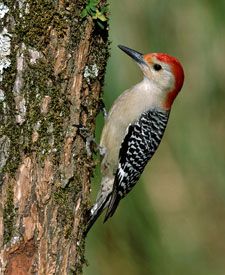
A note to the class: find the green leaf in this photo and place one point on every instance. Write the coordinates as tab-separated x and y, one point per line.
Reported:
93	9
105	9
99	16
93	3
84	13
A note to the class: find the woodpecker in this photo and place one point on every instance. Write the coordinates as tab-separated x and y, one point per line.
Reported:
134	128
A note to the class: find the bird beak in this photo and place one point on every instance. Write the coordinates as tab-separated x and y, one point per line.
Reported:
138	57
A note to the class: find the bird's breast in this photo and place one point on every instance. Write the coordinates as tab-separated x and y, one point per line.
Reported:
125	111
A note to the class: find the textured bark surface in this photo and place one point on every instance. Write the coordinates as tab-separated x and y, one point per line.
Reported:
52	72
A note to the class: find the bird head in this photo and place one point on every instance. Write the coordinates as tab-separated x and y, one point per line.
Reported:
164	70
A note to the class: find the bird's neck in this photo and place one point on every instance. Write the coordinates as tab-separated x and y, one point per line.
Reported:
152	94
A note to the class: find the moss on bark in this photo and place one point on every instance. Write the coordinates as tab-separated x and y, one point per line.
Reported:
55	82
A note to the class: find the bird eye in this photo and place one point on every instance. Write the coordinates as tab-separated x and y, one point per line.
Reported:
157	67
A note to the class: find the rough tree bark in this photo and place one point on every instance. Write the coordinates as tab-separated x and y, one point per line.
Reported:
52	69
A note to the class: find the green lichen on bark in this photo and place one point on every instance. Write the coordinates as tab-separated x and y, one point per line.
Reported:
39	83
65	197
31	27
8	126
36	24
82	260
38	79
9	213
33	30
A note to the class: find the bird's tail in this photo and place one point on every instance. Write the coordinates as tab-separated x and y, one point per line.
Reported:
96	211
113	204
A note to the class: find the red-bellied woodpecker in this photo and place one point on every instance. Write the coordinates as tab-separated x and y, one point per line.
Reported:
134	128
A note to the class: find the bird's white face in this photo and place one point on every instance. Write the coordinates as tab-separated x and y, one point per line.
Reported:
159	72
164	71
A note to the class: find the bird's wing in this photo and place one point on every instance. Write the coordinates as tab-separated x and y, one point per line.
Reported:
139	145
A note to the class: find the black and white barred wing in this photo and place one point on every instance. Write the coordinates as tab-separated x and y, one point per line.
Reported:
140	143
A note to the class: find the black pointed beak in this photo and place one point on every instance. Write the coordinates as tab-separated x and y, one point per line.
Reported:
138	57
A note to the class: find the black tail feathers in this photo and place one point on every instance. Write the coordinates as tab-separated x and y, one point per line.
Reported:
91	218
95	212
113	204
98	207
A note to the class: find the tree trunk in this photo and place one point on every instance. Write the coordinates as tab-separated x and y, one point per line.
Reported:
52	68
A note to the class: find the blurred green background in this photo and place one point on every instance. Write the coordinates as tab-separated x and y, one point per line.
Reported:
173	223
